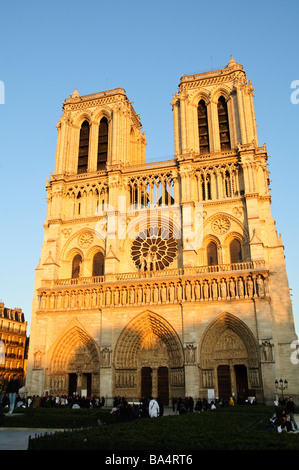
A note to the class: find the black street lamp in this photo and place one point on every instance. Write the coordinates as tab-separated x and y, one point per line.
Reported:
281	385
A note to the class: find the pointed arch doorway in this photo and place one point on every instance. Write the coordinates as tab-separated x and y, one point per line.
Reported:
149	360
229	359
75	364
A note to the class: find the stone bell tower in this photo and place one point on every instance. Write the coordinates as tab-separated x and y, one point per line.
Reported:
216	146
98	131
213	112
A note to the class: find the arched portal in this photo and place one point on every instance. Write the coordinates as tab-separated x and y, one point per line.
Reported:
229	360
75	364
149	359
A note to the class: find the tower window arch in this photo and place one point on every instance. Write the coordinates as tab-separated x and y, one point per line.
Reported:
206	192
212	254
228	184
223	124
76	266
83	148
102	144
98	264
78	201
235	250
203	130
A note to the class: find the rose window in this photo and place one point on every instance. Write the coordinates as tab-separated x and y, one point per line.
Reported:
221	225
86	239
155	248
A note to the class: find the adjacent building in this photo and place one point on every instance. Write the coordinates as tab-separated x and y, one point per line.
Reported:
13	341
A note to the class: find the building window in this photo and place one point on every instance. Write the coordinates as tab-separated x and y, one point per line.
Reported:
212	255
235	251
83	148
203	130
76	266
102	144
98	264
78	203
228	184
155	248
223	124
206	192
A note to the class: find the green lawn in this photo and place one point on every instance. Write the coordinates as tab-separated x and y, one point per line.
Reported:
237	428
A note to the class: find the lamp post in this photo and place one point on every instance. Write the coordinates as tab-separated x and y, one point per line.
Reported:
281	385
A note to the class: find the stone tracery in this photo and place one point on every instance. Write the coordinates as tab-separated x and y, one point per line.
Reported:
154	249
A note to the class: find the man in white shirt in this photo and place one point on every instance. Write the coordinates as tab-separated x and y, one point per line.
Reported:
153	408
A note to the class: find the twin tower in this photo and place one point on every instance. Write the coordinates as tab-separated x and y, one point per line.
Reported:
164	278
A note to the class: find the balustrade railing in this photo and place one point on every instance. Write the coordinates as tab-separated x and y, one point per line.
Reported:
165	273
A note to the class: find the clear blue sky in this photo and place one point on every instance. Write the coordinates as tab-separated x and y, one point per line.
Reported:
50	48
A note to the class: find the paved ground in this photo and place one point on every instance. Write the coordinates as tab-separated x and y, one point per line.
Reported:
17	439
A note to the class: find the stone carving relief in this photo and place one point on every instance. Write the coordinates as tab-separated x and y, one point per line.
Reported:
66	232
85	239
190	351
125	379
37	360
106	357
221	225
159	292
80	359
267	351
238	211
208	378
230	346
177	379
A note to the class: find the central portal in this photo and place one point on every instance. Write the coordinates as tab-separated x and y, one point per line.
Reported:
149	350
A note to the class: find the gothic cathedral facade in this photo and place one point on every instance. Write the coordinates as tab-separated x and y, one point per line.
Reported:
168	278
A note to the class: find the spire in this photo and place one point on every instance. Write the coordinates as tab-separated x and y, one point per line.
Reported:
231	62
75	94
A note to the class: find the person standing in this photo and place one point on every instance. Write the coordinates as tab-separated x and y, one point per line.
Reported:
290	409
12	390
153	408
2	390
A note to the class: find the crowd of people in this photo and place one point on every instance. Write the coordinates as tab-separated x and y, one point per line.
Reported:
122	408
187	405
11	398
149	407
126	411
49	401
283	419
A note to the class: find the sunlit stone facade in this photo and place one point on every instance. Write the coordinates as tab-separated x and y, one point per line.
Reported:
166	278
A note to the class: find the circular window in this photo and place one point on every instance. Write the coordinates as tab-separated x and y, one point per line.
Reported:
155	248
